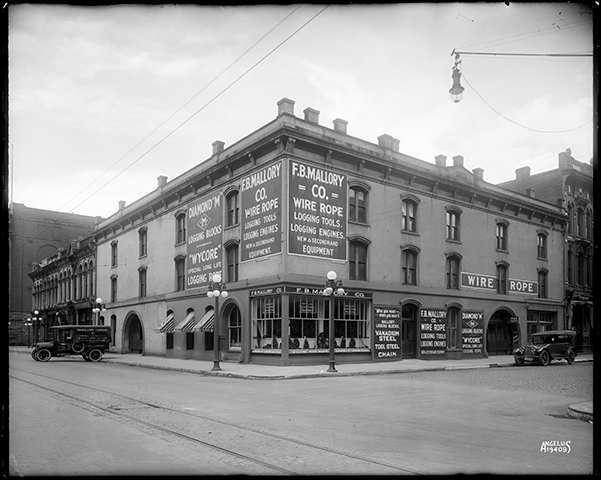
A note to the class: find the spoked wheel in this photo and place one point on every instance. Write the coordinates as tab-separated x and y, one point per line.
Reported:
519	360
571	357
44	355
95	355
544	358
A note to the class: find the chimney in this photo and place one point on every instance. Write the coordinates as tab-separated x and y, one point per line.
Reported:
388	142
458	161
522	174
530	192
285	105
162	181
340	125
311	115
218	147
121	205
441	160
478	173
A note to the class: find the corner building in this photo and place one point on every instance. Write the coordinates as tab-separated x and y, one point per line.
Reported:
434	261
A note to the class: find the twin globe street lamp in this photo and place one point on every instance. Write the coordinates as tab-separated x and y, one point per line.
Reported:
332	287
97	307
216	290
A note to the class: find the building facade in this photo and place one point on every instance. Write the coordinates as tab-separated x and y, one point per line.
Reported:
34	235
434	262
570	185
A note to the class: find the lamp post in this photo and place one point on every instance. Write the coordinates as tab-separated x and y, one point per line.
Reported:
28	324
97	307
33	320
216	290
333	286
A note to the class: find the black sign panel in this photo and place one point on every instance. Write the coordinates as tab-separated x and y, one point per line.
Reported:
432	333
387	329
472	333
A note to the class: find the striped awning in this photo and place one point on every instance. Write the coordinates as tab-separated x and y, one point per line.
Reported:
187	324
206	324
166	326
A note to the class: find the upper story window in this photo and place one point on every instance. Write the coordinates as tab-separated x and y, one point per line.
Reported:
114	257
570	217
231	252
143	242
453	267
569	266
180	273
580	230
409	265
142	282
541	245
502	227
358	259
502	278
453	224
113	288
180	227
233	209
358	204
409	215
542	282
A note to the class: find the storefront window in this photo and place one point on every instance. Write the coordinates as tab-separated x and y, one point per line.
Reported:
540	322
267	323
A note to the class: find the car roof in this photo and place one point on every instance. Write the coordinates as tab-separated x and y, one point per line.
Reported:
555	332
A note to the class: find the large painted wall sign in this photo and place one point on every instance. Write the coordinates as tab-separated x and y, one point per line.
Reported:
205	239
317	212
432	333
261	202
387	329
472	333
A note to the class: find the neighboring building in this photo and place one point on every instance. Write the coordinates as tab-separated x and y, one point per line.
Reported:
434	261
64	286
35	234
571	185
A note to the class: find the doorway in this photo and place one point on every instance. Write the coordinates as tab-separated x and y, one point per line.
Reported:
134	335
409	331
501	334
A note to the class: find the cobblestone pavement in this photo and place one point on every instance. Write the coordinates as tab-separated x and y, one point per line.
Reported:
560	378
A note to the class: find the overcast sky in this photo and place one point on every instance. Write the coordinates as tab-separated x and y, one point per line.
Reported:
103	100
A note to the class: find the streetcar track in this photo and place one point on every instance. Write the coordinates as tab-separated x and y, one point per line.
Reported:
118	411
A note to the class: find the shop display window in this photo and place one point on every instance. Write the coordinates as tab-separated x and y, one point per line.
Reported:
309	323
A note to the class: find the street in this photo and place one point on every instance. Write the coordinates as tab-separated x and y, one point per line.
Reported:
71	417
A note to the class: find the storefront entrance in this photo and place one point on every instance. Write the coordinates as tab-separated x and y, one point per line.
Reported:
409	332
501	334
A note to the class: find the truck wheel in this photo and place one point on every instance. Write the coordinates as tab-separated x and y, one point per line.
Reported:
571	357
95	355
78	347
34	355
44	355
544	358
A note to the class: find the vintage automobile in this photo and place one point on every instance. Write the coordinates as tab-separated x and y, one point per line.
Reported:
89	341
547	346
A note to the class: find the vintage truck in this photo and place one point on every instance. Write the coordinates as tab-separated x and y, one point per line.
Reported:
89	341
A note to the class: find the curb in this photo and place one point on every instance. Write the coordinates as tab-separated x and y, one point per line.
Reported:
581	411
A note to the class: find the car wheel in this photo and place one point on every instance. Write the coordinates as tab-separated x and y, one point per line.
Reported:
519	360
44	355
544	358
78	347
34	355
571	358
95	355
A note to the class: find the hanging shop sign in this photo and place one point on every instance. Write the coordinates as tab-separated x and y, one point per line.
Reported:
472	333
205	239
526	287
479	281
387	330
261	202
317	212
432	333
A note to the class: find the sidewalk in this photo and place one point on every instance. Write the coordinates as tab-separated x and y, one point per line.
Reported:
254	371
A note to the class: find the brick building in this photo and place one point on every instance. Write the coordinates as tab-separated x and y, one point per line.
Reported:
434	261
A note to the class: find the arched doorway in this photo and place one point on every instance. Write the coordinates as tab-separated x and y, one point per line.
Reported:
409	331
501	333
133	335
